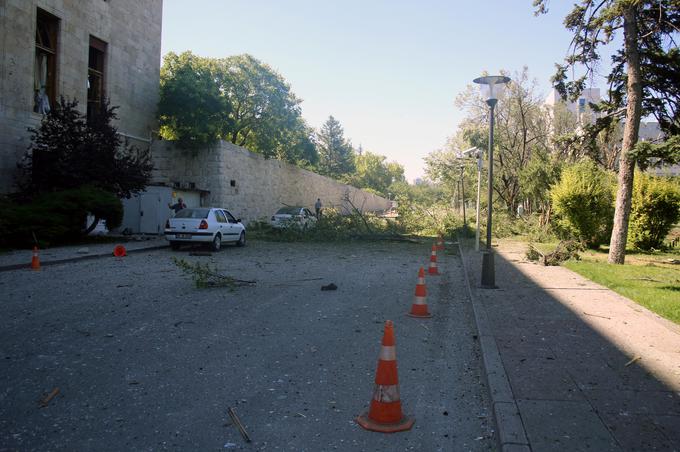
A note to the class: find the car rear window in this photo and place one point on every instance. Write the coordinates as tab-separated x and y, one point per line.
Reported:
289	210
193	213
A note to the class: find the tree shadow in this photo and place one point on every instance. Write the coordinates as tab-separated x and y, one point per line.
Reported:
575	388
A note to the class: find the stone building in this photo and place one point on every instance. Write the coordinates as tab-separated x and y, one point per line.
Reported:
79	49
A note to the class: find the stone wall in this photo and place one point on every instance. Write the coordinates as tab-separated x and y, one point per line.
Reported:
132	31
251	186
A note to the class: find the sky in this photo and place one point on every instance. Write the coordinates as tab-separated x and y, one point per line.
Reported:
388	70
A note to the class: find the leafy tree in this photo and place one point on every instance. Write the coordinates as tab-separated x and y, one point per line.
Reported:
372	172
238	99
67	151
191	109
336	156
654	211
582	201
522	129
642	81
542	171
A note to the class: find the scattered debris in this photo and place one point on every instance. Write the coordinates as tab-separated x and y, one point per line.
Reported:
423	325
46	400
85	250
330	286
637	358
673	261
595	315
238	423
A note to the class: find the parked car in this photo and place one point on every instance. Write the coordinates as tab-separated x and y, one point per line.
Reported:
298	217
210	225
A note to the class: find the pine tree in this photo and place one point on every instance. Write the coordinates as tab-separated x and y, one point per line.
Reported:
336	157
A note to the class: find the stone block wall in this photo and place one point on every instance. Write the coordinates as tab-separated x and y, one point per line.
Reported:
251	186
132	31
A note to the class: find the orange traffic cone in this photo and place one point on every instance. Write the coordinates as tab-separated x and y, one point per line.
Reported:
440	243
119	251
419	307
35	261
432	269
384	414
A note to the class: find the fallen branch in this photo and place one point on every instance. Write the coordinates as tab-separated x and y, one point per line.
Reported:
637	358
237	421
205	276
595	315
46	400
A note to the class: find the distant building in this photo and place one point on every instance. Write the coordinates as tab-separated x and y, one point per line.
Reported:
649	130
79	49
581	107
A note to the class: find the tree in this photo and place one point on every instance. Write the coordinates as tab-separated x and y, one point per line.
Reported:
336	157
521	130
191	109
372	172
238	99
265	113
67	151
643	79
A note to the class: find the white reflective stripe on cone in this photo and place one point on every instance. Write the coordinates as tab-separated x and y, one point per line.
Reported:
388	353
386	393
419	300
421	281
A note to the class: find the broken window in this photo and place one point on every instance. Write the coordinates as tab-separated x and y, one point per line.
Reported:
95	77
44	77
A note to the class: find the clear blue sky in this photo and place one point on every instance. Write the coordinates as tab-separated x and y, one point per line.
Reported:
387	70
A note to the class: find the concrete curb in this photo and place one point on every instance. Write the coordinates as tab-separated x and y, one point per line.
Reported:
511	433
27	265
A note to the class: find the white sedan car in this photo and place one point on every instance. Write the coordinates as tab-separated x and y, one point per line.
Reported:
298	217
204	225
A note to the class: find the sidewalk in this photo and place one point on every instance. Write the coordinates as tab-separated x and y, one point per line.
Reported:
573	365
22	258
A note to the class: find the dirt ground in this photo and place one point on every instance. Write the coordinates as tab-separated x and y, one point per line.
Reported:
143	360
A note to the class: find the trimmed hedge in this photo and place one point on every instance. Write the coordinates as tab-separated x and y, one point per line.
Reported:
56	217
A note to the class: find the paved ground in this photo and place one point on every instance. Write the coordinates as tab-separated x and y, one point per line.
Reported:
587	369
145	361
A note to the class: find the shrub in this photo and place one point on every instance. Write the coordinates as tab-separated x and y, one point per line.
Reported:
57	217
655	208
583	202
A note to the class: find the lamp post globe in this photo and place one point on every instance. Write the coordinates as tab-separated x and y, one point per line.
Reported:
491	87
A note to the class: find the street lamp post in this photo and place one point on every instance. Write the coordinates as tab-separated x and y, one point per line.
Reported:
491	86
462	194
478	154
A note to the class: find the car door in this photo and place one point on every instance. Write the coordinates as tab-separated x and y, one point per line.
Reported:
234	230
222	224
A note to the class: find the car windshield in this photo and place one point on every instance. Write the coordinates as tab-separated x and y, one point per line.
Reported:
192	213
288	211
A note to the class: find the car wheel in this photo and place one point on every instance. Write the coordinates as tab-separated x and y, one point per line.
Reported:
174	245
241	239
216	243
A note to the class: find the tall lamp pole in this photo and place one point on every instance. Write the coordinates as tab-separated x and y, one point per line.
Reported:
462	194
491	87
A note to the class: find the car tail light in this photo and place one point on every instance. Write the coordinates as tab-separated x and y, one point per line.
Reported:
203	225
167	224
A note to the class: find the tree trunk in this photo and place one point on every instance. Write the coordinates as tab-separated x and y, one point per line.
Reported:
624	193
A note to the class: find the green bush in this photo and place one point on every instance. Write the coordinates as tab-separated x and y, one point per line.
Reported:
583	201
56	217
655	209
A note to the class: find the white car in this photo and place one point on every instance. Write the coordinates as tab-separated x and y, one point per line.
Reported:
299	217
209	225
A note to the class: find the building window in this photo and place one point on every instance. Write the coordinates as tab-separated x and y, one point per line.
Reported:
95	77
45	77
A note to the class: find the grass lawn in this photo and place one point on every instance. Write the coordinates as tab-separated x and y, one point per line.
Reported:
649	279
